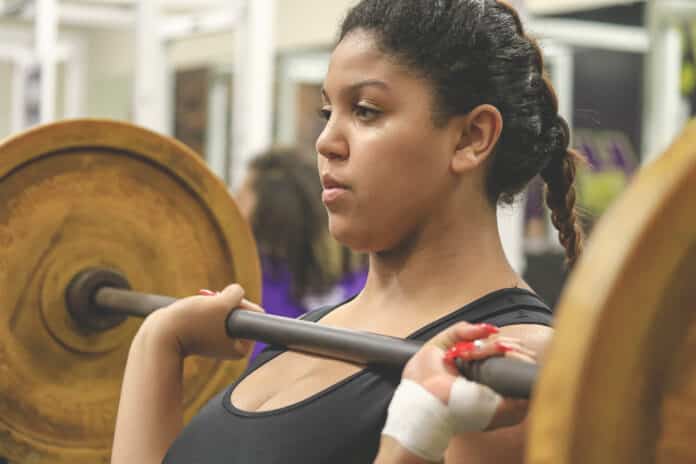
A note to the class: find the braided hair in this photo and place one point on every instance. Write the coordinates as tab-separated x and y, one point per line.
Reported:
476	52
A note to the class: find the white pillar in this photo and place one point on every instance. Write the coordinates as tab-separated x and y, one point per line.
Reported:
46	42
560	57
75	80
562	77
662	114
216	135
511	228
253	86
150	86
19	79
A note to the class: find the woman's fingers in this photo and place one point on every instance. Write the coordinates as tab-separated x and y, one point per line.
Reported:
232	295
246	304
462	331
474	350
478	341
198	323
521	357
469	349
516	345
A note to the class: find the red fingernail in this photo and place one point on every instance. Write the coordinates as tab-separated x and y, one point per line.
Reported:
449	358
206	292
459	350
500	346
490	329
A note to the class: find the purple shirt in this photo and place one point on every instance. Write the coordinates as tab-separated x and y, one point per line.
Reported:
276	295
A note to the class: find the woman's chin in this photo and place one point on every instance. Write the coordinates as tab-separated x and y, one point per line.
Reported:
354	239
360	240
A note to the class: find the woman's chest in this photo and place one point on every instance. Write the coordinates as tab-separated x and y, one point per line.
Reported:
289	379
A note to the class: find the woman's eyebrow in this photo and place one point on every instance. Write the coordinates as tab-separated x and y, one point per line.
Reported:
353	88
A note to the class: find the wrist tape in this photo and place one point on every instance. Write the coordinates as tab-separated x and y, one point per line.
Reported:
422	424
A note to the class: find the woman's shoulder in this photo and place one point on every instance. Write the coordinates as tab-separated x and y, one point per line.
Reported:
504	307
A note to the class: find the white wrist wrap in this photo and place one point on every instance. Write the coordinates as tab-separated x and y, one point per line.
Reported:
421	423
472	405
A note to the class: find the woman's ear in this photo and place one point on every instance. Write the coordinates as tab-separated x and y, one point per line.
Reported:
479	133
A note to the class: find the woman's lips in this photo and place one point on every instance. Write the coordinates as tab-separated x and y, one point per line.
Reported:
332	194
333	189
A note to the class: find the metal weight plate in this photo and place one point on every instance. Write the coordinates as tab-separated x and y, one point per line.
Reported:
93	193
619	384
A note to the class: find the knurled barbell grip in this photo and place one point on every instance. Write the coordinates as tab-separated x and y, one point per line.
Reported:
509	377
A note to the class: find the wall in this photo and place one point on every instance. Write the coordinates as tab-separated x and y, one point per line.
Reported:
308	23
109	73
300	24
5	98
201	50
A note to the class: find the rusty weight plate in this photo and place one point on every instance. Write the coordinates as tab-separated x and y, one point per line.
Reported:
96	193
619	383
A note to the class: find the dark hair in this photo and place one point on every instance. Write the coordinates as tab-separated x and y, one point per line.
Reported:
476	52
289	221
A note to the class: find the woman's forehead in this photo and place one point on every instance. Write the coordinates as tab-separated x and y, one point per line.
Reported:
357	59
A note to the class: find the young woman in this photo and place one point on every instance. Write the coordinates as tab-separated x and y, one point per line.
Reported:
437	110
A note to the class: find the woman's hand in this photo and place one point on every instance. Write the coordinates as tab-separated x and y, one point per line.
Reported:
433	368
433	403
196	325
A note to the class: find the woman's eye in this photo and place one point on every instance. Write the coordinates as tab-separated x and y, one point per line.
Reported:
324	113
365	113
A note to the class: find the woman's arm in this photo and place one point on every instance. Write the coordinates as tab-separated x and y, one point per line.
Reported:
391	452
150	411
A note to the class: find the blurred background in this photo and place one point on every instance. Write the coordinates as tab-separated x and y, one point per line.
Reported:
232	78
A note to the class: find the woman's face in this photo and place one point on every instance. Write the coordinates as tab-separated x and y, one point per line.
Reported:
384	165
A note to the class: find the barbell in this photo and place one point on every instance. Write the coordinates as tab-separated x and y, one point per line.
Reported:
86	203
99	299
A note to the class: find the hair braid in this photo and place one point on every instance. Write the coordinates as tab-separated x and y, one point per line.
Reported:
559	173
559	176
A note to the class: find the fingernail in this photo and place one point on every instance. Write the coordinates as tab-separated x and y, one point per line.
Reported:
502	347
459	350
490	329
206	292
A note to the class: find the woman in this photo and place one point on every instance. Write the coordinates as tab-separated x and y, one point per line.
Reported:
302	267
436	112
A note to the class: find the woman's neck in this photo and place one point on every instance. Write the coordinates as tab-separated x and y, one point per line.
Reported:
439	269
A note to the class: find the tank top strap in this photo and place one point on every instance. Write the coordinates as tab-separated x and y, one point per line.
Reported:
507	306
316	314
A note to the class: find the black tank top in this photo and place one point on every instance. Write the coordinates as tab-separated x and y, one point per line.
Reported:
341	424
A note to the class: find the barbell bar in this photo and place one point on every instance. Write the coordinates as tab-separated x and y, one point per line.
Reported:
99	299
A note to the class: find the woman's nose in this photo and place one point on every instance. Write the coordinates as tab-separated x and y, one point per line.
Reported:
332	143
